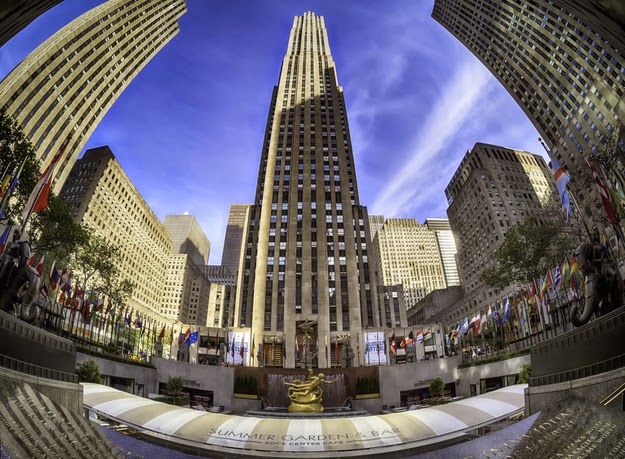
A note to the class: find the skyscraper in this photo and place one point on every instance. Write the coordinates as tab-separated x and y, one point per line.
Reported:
70	81
231	255
102	197
406	252
17	14
563	62
188	237
306	270
493	189
446	247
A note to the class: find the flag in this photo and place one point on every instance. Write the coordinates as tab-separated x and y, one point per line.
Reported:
393	346
44	290
193	337
187	334
39	266
464	327
419	335
253	346
490	311
100	303
162	334
547	282
54	276
562	179
109	306
38	199
506	311
427	335
603	192
558	280
477	320
242	348
566	271
483	320
5	237
410	339
65	279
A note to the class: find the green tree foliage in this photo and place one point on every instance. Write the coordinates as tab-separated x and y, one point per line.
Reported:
525	374
95	261
15	149
173	387
53	231
437	387
528	251
89	372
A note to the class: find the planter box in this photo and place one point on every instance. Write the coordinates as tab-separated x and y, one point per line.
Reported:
365	396
248	396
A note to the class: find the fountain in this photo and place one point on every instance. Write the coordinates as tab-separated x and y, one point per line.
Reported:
334	403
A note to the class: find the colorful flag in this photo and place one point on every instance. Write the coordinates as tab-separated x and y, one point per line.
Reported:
477	321
44	290
100	303
39	266
464	327
38	199
187	334
547	282
242	347
193	337
54	276
506	311
483	320
558	280
603	192
566	271
427	335
162	334
562	179
393	346
5	237
419	335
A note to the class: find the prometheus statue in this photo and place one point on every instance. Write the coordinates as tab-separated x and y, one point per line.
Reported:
305	395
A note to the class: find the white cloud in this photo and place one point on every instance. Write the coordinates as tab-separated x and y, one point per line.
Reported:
422	170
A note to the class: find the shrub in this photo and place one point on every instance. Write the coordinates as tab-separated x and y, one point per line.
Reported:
173	386
525	374
437	387
89	372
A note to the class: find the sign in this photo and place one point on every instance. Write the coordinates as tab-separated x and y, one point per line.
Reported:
375	349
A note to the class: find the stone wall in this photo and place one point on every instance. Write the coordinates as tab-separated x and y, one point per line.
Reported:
65	394
472	375
594	388
139	374
219	380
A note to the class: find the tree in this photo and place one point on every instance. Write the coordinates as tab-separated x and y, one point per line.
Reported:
53	231
89	371
15	149
529	250
173	388
525	374
437	387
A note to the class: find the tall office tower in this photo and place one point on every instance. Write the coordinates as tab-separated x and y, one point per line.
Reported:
392	306
187	290
67	85
375	223
102	197
237	221
188	237
493	189
306	269
17	14
406	252
221	304
446	247
563	62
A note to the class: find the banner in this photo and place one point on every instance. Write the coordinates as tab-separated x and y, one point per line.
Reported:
238	339
375	348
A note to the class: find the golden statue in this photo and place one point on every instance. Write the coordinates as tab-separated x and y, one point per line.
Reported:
305	395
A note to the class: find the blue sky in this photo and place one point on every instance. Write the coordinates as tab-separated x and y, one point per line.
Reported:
188	130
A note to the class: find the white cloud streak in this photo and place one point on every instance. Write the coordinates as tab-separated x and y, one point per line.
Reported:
453	108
